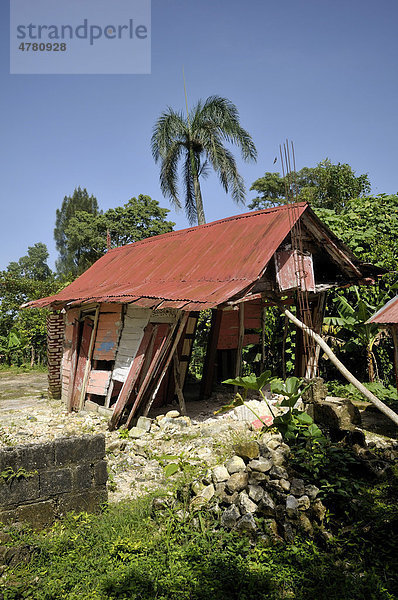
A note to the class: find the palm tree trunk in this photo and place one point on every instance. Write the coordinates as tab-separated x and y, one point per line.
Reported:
198	194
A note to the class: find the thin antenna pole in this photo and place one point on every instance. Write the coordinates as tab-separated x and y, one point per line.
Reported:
186	97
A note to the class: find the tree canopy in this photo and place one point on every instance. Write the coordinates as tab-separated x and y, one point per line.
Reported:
86	233
23	333
324	186
197	140
69	260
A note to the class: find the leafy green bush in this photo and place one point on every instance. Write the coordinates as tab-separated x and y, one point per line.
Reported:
386	393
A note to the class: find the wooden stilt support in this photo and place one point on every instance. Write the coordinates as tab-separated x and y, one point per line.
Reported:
211	353
75	340
241	335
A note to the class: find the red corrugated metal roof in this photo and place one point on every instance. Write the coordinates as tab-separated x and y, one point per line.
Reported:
199	267
388	315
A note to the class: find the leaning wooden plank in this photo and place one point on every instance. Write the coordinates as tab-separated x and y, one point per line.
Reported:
82	362
343	370
149	332
89	356
165	341
169	356
73	363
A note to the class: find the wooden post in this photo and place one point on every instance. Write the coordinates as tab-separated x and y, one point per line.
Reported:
394	333
318	311
89	356
75	340
241	335
263	324
211	352
169	355
165	331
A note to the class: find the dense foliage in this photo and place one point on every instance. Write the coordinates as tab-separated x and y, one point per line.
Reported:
326	185
81	236
86	233
69	260
23	333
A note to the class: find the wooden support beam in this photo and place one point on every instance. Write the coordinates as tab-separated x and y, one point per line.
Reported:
135	368
211	353
241	335
82	362
318	311
165	365
73	363
165	333
89	356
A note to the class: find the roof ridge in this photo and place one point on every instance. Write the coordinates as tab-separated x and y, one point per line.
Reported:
247	215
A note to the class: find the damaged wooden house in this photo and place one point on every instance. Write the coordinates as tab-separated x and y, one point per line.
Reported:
120	336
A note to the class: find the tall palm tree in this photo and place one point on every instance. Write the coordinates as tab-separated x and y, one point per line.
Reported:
198	140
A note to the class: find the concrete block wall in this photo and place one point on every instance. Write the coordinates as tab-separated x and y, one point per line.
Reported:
55	338
57	477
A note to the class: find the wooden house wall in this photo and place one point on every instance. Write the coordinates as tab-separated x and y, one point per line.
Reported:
108	332
135	320
71	316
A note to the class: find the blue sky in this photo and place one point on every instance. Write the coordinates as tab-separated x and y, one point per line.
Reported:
322	73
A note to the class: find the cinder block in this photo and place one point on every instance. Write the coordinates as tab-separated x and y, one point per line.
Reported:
19	490
74	449
83	479
56	481
31	457
100	473
90	501
39	515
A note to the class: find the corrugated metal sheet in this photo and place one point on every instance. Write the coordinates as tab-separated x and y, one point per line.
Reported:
200	267
388	314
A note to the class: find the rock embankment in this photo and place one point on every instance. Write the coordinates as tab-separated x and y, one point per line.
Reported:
256	494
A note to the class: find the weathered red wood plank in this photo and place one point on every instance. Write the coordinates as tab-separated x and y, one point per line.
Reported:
162	341
98	382
81	363
73	362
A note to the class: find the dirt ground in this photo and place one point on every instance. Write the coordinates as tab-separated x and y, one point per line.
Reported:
135	466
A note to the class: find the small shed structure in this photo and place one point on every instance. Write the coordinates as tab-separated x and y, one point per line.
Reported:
125	328
387	317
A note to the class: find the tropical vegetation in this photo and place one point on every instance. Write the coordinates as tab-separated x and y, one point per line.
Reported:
198	142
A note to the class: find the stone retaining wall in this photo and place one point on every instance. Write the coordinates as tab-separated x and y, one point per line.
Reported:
42	482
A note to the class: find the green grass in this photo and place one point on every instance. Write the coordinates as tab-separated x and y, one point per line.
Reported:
130	553
15	370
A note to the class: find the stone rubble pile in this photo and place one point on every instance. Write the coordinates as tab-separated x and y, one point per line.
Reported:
255	484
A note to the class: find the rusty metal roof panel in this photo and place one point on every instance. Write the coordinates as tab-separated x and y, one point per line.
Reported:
207	264
388	314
